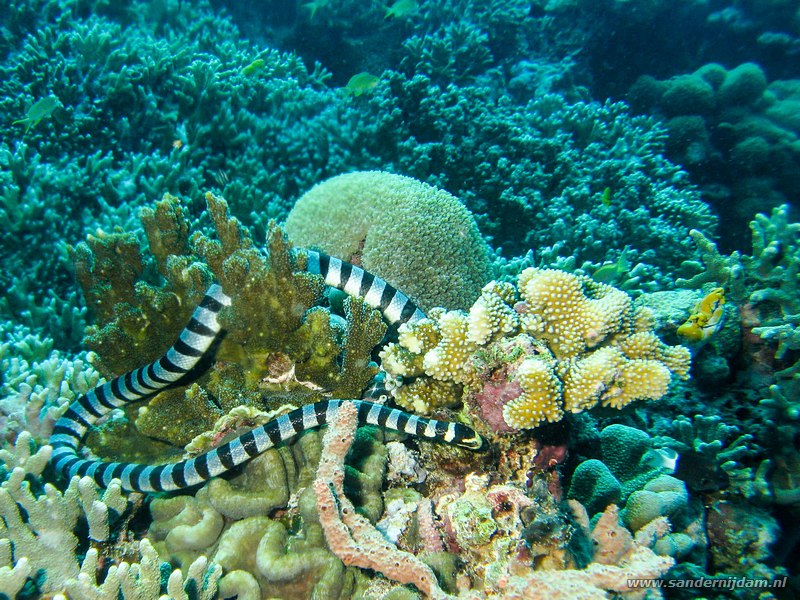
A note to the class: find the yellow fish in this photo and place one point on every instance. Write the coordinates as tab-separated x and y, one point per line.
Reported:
41	109
706	318
361	83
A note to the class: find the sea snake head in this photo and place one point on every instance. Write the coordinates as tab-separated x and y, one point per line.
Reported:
467	437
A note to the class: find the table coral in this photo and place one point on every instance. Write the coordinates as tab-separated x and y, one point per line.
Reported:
556	343
417	237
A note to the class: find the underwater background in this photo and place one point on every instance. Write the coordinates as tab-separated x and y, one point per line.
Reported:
594	201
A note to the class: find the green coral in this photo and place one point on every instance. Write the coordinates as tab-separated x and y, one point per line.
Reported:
279	347
419	238
263	524
138	317
623	470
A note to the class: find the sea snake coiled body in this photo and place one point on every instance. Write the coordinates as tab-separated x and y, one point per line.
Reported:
193	343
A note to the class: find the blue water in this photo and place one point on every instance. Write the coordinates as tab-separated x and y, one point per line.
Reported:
588	136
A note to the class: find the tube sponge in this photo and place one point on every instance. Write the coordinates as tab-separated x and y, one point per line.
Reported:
417	237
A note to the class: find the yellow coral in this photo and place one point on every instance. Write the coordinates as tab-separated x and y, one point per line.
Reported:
448	360
540	399
582	343
574	313
644	319
646	345
400	361
424	395
422	336
637	380
493	312
585	380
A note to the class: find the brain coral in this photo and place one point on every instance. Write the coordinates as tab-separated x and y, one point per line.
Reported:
419	238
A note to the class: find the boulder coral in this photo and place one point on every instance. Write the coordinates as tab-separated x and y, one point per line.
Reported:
735	131
522	356
419	238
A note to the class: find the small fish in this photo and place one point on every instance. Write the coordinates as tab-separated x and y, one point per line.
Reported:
607	194
613	271
706	318
665	459
361	83
41	109
401	8
314	6
254	67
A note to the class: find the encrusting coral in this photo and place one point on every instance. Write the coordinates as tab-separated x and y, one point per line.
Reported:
556	343
263	525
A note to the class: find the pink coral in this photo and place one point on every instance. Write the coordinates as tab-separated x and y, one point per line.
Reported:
351	536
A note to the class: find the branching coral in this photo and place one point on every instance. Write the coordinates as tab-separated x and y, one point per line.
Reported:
277	340
37	383
144	580
568	344
38	528
767	285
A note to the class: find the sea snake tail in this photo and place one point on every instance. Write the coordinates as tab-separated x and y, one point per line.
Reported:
191	346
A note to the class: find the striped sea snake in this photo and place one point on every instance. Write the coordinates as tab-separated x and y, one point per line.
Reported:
192	345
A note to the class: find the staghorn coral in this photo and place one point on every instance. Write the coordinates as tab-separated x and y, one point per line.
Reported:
567	344
714	454
144	580
417	237
766	284
38	527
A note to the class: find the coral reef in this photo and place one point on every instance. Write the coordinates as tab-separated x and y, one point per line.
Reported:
37	383
350	535
44	533
418	238
734	131
277	340
263	524
528	112
566	345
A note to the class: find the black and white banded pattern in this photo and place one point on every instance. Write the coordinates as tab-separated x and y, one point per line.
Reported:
397	308
192	344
